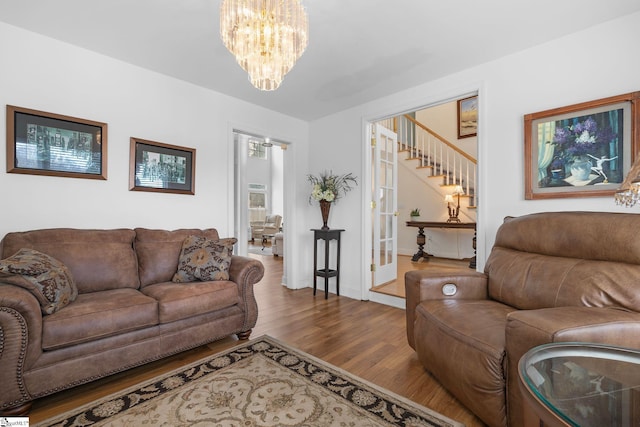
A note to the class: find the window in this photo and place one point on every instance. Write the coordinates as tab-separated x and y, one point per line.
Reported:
257	202
256	149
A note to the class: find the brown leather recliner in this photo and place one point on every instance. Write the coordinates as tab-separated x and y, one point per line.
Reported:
550	277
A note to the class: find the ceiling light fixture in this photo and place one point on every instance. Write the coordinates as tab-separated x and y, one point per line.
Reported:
266	36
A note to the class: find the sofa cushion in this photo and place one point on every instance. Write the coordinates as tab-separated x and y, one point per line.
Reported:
45	277
98	315
158	251
204	259
471	368
182	300
530	281
97	259
582	235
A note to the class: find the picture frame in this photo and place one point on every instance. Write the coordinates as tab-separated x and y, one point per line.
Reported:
468	117
42	143
581	150
163	168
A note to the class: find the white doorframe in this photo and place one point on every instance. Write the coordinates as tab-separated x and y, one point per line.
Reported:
290	257
367	241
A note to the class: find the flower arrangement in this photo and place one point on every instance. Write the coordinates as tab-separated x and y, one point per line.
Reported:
582	138
330	187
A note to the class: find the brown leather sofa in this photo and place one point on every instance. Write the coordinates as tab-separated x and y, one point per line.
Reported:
128	310
550	277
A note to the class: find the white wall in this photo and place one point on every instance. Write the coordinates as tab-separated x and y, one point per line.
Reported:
443	119
45	74
591	64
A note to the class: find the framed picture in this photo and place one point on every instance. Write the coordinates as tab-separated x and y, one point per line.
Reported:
164	168
468	117
582	150
40	143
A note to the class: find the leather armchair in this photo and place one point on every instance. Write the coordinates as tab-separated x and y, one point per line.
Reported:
550	277
271	225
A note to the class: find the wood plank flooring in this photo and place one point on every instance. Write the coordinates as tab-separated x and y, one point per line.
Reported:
364	338
396	287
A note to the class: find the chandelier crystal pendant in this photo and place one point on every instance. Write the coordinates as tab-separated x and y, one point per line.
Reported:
266	36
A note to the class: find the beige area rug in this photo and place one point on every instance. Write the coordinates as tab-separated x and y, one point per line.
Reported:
260	383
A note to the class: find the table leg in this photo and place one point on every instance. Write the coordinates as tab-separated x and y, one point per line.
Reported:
472	262
338	269
421	241
326	268
315	265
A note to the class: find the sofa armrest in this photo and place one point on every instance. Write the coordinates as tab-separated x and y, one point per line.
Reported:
421	285
20	342
529	328
246	272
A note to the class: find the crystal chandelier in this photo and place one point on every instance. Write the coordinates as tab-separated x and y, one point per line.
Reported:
266	36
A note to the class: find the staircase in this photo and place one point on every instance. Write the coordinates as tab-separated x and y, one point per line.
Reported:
442	163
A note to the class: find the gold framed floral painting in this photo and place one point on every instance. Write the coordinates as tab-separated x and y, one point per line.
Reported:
582	150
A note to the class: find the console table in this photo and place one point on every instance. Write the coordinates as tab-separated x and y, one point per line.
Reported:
421	225
326	272
580	384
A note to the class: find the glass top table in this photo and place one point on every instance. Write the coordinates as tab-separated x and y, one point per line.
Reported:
582	384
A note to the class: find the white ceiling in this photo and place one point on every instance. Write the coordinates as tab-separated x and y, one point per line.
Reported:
359	50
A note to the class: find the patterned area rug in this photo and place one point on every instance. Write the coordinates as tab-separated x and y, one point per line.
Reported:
260	383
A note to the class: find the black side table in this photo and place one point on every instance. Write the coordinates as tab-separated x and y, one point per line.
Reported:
326	272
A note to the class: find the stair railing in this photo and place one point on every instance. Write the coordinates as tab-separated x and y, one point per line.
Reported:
435	152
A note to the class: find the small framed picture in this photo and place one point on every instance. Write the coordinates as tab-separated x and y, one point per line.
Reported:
41	143
582	150
468	117
163	168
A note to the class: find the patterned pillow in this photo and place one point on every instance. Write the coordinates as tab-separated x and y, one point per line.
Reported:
204	259
45	277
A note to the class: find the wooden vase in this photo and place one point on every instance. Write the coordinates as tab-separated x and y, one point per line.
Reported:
324	209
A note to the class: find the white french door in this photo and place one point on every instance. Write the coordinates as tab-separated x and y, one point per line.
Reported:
385	204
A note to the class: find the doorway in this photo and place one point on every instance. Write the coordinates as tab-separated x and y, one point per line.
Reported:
442	120
259	191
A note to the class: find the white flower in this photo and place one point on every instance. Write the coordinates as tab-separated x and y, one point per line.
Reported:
330	187
317	192
585	138
328	196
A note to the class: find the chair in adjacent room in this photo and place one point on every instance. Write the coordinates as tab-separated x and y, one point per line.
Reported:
270	226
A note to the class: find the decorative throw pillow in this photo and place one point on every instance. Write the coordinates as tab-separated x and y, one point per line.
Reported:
204	259
48	279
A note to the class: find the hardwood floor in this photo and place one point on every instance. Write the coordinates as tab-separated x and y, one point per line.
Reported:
396	287
364	338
